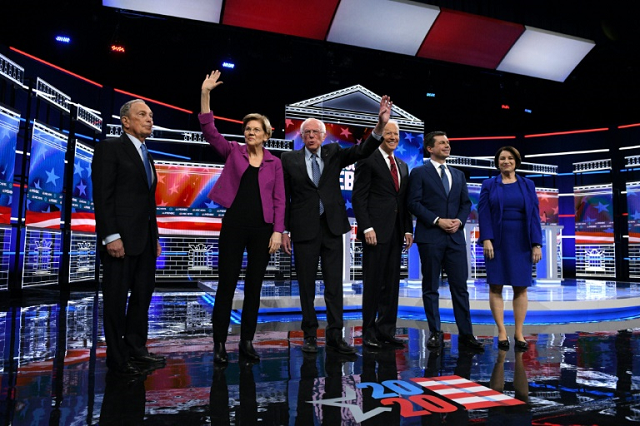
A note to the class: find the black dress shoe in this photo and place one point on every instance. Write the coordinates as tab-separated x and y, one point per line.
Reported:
392	341
128	369
520	345
341	346
310	345
246	349
219	353
469	341
435	339
149	359
503	345
372	343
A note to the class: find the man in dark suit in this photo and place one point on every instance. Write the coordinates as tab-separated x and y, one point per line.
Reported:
439	199
316	219
124	182
384	223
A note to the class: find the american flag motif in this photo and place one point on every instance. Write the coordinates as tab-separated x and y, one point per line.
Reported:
469	394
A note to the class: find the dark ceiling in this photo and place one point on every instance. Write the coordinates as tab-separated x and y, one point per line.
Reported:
167	58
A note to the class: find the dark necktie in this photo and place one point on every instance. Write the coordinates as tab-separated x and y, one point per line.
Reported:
145	161
315	172
394	173
445	179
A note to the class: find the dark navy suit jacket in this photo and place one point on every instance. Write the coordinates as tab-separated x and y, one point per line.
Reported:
427	200
490	209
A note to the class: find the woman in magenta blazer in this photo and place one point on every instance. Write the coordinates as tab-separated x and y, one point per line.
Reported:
511	237
251	187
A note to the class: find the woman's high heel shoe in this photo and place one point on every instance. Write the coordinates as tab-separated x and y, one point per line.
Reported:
503	345
520	345
219	353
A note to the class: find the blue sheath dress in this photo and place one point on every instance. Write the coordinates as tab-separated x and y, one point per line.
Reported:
511	264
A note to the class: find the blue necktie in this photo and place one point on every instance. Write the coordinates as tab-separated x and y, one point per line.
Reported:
147	165
445	179
315	172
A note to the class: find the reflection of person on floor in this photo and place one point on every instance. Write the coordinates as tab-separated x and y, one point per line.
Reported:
520	414
308	376
624	372
332	416
248	412
511	238
123	402
387	369
219	397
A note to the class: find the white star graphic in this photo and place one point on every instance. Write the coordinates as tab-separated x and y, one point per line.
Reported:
51	176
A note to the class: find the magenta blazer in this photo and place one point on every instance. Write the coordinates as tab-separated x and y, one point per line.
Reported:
270	177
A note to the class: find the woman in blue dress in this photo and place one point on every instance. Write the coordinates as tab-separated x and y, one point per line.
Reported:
511	238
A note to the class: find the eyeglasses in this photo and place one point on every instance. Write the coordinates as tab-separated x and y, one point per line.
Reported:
312	132
255	130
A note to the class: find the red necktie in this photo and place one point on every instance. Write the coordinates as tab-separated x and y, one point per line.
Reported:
394	172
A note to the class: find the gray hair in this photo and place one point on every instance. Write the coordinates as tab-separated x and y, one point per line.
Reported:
124	109
304	123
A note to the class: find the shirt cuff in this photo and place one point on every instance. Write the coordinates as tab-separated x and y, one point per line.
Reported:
367	230
376	136
110	238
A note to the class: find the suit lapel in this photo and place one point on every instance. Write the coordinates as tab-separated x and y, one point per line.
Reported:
431	169
381	163
132	152
301	164
403	169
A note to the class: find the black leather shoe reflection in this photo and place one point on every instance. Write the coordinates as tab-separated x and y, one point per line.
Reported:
219	396
246	349
123	402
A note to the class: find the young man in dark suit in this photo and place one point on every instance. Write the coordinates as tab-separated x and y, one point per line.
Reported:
439	199
316	219
124	185
384	224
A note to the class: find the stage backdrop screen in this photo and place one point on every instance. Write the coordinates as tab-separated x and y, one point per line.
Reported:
9	126
594	214
548	199
181	195
46	172
633	209
474	196
82	216
347	135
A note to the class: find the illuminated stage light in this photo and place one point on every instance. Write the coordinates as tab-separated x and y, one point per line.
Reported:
431	95
117	48
528	111
504	106
229	65
63	39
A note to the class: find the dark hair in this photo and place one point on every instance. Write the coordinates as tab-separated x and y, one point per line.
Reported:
430	140
513	151
264	121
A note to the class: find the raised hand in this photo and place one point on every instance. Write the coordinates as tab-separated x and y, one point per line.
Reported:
384	115
385	109
211	81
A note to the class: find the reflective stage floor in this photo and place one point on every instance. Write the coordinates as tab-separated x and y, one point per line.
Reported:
574	373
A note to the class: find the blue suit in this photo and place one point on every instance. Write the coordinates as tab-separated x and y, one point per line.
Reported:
490	209
427	200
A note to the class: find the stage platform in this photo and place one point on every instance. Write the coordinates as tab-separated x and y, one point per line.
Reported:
571	301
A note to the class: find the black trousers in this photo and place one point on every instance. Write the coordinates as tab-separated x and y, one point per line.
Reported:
126	324
328	247
231	246
381	285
